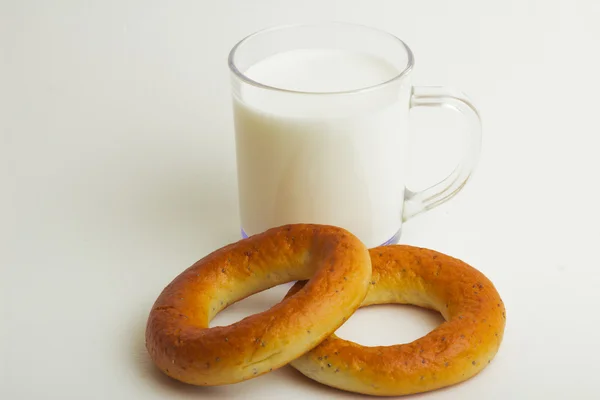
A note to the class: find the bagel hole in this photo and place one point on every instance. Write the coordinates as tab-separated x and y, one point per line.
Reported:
254	304
389	324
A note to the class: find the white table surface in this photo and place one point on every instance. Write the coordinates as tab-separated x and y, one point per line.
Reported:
118	171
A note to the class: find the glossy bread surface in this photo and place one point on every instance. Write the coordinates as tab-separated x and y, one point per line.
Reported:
455	351
183	346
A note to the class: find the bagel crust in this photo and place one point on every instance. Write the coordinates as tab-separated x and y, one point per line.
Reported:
454	352
182	345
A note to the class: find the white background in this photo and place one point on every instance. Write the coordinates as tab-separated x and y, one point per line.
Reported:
118	171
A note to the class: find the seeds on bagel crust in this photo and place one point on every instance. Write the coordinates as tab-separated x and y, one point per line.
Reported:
337	264
453	352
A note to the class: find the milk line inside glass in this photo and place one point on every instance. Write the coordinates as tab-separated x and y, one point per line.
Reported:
321	123
338	161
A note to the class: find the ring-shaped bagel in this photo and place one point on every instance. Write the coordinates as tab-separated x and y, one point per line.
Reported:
183	346
455	351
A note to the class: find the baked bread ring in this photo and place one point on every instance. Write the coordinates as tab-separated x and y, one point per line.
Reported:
183	346
455	351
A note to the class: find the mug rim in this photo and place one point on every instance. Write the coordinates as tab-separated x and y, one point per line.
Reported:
234	69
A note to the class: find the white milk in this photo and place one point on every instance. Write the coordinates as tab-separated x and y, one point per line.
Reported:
320	158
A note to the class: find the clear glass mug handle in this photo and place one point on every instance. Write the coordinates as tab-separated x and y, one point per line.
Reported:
431	96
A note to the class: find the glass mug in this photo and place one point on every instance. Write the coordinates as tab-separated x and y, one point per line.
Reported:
321	126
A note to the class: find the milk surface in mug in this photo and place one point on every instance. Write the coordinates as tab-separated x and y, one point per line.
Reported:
322	158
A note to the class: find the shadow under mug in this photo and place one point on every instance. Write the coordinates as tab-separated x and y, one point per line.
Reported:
309	151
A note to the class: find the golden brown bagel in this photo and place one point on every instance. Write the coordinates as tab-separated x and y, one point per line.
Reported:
183	346
455	351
